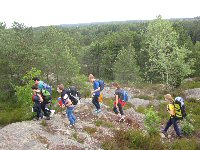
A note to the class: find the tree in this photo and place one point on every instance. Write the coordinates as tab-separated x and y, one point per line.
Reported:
16	55
56	56
196	55
125	66
166	61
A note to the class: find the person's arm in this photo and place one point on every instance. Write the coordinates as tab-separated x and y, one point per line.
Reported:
40	98
69	102
116	100
97	90
171	110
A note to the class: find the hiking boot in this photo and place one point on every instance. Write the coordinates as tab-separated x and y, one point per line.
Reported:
70	126
99	110
164	132
122	119
180	136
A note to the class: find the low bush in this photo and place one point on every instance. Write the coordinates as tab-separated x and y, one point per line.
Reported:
103	123
141	109
90	130
132	140
186	127
185	144
152	121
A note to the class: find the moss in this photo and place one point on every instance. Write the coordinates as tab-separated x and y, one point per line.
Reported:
90	130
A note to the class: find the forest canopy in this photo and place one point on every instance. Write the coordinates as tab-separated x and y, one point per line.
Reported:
157	51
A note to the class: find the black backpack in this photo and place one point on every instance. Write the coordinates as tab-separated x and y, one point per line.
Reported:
73	94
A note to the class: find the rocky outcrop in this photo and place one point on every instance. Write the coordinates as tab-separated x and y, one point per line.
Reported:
193	93
54	134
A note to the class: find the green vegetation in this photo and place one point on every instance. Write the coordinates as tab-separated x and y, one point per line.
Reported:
145	97
90	130
43	123
152	121
103	123
153	56
187	128
137	140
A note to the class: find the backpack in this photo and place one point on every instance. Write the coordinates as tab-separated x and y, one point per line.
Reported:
73	94
47	87
179	107
124	95
47	92
101	84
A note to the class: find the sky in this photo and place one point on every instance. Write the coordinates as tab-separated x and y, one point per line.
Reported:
55	12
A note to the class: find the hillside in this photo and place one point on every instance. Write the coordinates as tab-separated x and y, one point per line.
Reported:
90	132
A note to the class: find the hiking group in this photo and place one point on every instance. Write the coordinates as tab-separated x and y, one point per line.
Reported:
69	98
42	97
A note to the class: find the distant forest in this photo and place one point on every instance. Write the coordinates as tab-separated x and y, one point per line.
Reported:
156	51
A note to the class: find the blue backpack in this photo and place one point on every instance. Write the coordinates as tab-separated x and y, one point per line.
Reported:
47	87
101	84
124	95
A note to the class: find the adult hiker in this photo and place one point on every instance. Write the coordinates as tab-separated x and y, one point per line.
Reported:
66	102
37	99
46	97
95	93
119	103
172	119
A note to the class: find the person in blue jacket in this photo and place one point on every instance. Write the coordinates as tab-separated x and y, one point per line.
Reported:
95	93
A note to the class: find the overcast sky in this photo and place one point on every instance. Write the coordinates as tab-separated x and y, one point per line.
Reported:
54	12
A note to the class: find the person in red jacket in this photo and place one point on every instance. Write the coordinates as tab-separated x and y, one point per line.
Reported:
118	103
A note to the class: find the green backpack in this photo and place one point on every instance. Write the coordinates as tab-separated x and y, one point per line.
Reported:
46	95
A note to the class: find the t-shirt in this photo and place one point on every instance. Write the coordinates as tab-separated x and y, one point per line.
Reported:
96	86
65	98
41	85
118	92
36	98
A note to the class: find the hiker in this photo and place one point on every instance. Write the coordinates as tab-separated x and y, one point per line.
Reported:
95	93
40	84
172	119
66	102
37	99
118	103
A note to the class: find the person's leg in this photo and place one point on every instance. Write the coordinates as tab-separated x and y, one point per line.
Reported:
73	116
115	110
169	123
121	112
176	128
95	101
120	109
45	111
39	113
69	115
